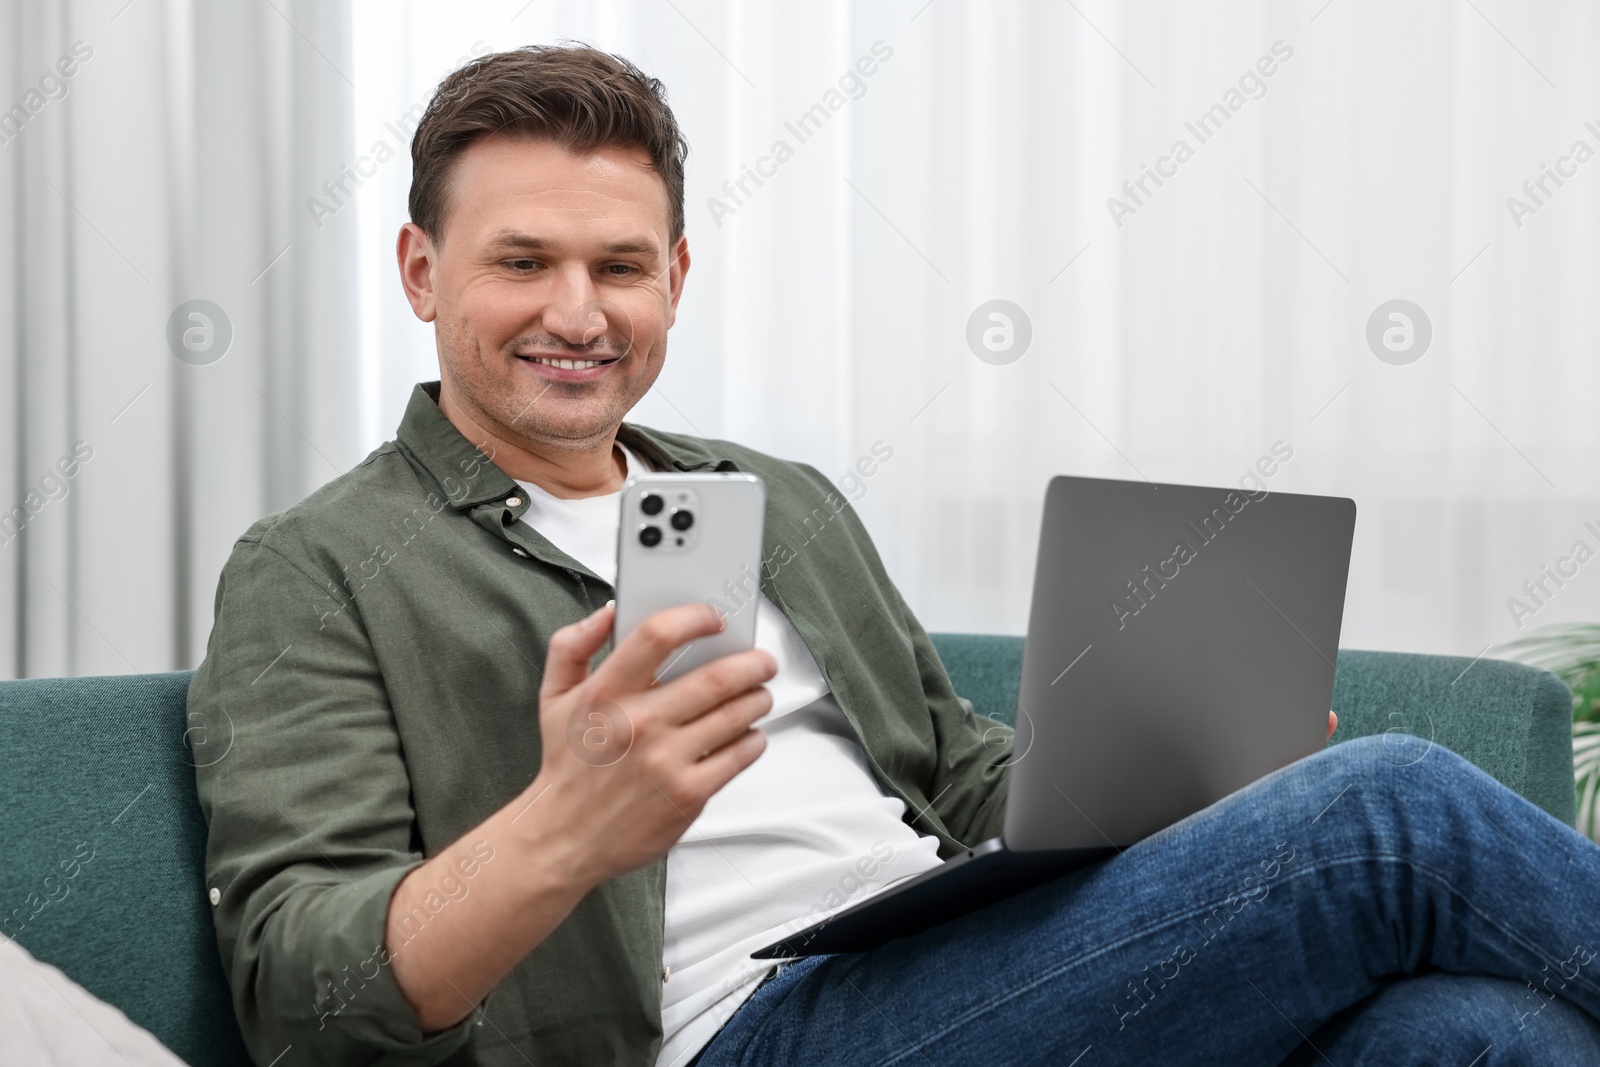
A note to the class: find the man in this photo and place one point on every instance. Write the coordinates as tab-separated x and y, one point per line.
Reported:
417	855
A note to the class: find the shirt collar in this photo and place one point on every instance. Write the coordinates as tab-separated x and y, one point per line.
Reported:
470	477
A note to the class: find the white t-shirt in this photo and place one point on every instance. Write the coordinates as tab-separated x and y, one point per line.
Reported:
804	831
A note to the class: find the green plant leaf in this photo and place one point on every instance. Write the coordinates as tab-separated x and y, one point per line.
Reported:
1586	773
1572	653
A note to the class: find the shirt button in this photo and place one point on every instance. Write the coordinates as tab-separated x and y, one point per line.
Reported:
216	896
521	552
513	501
666	973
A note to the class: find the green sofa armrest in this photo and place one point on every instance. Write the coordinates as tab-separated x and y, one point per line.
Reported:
1512	720
101	768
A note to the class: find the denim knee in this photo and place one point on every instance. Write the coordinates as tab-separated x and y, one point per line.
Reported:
1437	1017
1390	749
1395	783
1376	757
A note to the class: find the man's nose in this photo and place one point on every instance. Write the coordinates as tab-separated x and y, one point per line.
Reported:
574	313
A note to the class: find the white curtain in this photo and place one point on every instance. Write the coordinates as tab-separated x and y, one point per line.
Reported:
827	310
170	165
940	155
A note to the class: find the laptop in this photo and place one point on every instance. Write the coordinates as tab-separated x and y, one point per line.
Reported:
1181	645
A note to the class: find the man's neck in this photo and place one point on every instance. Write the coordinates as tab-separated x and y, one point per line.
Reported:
568	473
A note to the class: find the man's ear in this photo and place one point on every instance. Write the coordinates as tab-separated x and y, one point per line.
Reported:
678	270
416	254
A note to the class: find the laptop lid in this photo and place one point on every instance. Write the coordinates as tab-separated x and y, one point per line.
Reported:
1181	644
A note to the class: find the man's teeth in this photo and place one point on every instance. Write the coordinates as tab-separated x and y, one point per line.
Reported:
570	364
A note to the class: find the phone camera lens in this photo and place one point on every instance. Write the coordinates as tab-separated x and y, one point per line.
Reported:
651	504
650	536
682	520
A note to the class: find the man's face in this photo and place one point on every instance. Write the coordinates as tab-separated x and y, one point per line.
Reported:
553	288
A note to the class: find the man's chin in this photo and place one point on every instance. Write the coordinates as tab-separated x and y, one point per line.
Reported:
563	423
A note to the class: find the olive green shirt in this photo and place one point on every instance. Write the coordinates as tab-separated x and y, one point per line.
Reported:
376	655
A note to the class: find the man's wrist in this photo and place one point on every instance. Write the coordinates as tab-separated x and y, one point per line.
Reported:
559	865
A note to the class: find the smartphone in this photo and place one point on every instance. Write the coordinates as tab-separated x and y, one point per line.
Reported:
685	538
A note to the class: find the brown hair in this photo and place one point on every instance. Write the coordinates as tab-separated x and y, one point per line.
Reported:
579	97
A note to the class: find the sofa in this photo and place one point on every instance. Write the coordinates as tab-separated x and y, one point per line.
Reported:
102	853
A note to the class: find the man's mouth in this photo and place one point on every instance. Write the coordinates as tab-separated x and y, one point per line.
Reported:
569	364
567	368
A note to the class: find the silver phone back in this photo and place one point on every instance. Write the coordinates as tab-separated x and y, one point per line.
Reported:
716	560
1148	694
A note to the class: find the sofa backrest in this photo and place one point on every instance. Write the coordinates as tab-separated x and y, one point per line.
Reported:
102	852
1512	720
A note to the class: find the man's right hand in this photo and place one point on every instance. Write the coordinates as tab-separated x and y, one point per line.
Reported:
627	764
600	806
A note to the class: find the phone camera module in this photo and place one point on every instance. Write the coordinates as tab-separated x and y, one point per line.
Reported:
682	519
650	536
651	504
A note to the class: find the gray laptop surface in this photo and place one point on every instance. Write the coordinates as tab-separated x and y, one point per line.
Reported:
1181	645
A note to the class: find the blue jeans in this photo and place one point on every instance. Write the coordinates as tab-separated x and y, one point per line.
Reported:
1381	902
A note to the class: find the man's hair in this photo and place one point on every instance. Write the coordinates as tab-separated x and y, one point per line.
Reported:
576	96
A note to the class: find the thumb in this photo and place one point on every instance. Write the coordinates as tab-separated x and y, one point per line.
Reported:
566	662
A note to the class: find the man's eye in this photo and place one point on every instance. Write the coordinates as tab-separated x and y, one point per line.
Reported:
522	265
621	269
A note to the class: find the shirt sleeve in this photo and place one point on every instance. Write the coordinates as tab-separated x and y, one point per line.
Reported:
970	776
310	820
